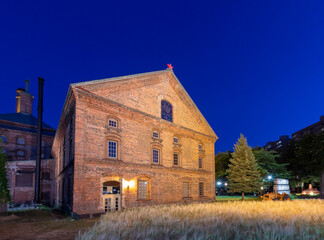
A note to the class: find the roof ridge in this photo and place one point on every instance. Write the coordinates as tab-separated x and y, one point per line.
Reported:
119	78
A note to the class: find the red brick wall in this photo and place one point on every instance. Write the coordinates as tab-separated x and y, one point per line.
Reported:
20	194
137	120
29	148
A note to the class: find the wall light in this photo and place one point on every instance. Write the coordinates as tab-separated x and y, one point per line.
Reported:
128	184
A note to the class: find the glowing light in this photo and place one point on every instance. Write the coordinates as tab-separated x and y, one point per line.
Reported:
128	184
261	188
219	183
225	184
269	177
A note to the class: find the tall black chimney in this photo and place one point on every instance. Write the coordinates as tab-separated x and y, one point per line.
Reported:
39	138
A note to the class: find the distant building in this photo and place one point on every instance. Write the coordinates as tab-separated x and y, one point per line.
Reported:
279	144
315	128
18	137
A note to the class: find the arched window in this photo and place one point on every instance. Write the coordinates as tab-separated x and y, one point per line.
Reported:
166	110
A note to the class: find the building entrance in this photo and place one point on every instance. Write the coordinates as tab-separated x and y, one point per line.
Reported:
111	196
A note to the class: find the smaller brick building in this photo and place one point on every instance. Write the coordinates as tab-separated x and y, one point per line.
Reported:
18	137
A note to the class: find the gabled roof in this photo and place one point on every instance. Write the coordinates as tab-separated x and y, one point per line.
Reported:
93	86
22	118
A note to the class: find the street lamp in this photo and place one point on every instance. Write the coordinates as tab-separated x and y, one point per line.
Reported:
269	177
219	183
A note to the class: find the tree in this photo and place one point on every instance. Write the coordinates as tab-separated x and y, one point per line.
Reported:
221	163
267	160
305	159
243	172
4	192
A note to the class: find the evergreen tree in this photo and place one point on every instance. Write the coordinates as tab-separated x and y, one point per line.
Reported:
4	192
243	172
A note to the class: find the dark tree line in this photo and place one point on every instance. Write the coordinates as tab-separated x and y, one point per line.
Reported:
299	161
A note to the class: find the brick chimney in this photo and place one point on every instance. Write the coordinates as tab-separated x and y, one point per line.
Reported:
24	100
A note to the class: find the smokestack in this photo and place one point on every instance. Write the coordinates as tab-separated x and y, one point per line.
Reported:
39	138
24	100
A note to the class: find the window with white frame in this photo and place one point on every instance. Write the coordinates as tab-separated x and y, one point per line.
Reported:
156	134
176	159
201	189
112	123
20	141
142	190
175	140
112	149
156	156
200	163
185	189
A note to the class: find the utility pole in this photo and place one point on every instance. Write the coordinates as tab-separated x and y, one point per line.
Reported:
39	139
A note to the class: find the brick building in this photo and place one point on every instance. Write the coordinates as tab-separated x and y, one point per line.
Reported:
132	141
18	134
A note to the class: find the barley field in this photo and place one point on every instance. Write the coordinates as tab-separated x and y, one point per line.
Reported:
270	220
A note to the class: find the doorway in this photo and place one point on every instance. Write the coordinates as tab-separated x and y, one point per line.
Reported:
111	196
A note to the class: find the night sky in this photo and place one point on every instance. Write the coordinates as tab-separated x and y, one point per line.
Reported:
251	67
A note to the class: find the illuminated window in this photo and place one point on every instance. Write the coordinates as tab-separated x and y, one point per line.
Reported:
201	189
200	163
175	159
166	110
155	134
142	190
175	140
185	189
156	156
112	149
112	123
20	141
3	139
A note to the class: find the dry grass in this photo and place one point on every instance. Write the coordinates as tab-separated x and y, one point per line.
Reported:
230	220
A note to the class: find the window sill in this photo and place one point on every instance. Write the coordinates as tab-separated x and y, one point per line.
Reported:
176	166
159	140
156	164
186	198
113	129
112	159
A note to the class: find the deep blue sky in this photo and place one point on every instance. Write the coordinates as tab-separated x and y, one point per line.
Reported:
252	67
